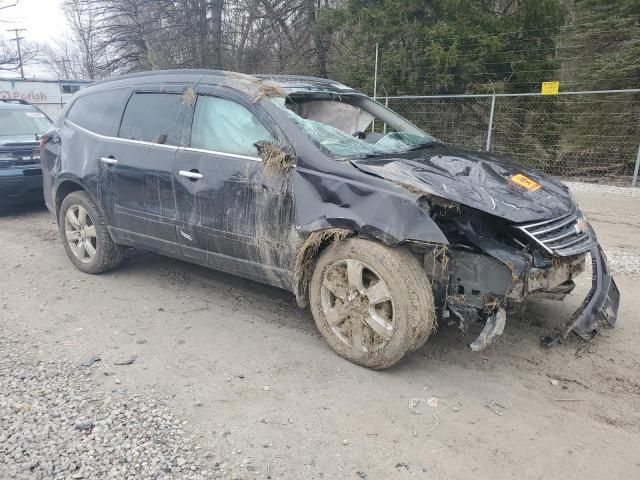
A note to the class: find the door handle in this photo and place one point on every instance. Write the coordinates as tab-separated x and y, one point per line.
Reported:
109	160
194	175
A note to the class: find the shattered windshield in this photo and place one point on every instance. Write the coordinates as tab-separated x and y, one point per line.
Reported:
352	126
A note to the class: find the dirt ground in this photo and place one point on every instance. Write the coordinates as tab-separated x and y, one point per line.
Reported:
248	371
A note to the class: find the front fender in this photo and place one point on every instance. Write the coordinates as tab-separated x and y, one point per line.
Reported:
390	215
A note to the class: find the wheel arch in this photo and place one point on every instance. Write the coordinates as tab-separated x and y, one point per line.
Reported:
67	186
307	256
63	190
318	240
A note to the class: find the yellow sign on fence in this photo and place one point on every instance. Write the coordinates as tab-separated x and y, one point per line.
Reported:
550	88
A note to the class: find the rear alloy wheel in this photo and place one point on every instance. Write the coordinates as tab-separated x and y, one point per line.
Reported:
85	236
373	304
80	233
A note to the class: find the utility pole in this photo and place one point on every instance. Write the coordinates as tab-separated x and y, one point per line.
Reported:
17	40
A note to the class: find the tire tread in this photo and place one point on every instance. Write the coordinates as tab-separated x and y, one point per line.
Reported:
414	285
109	254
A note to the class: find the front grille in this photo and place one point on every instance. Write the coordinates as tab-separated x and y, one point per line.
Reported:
565	236
19	158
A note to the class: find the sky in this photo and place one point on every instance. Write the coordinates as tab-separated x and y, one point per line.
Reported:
43	20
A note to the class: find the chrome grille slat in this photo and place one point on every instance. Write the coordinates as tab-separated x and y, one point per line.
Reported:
557	219
560	236
570	243
555	227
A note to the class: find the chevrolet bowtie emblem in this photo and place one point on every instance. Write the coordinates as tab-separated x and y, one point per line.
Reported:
581	226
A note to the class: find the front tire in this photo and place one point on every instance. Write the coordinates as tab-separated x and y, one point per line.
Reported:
373	304
85	236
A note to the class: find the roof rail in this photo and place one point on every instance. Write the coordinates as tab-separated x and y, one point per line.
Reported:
18	101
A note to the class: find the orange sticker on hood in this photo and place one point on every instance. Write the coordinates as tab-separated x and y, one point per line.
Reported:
526	182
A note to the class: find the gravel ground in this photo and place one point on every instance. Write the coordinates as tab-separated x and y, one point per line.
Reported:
623	262
54	423
599	189
265	397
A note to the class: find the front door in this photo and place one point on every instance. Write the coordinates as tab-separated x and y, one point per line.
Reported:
140	162
231	214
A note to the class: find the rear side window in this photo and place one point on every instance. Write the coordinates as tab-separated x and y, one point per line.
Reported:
99	112
153	117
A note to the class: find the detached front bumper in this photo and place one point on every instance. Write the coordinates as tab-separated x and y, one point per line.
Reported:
504	277
600	307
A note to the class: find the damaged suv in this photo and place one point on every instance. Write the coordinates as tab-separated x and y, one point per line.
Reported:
308	185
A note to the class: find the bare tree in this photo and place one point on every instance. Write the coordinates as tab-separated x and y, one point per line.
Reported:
245	35
84	35
64	58
8	4
9	57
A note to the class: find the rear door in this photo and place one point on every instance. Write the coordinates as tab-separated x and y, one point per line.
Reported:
231	214
139	166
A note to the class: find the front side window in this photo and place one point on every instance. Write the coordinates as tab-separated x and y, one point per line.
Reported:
154	118
225	126
352	126
99	112
23	122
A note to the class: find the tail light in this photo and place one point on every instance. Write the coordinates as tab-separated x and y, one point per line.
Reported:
43	141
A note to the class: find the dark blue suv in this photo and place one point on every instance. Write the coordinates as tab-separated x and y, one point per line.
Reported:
308	185
21	128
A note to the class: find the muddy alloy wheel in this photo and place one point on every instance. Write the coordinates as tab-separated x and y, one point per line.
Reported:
372	303
80	233
85	236
357	305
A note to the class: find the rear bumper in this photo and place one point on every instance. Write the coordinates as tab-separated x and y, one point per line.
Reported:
18	185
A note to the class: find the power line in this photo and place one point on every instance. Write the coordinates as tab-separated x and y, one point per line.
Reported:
551	72
487	85
17	40
550	48
516	32
513	32
509	62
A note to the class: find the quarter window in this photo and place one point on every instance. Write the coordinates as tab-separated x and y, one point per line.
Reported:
153	117
226	126
99	112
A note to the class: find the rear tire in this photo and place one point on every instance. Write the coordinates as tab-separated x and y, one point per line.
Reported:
85	236
373	304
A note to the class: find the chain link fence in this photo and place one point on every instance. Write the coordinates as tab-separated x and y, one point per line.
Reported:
589	136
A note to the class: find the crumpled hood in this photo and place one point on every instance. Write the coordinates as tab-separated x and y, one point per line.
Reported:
476	179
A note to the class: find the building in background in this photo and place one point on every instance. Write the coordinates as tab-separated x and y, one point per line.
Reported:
48	95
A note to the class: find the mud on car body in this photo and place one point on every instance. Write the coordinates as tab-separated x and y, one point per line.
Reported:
308	185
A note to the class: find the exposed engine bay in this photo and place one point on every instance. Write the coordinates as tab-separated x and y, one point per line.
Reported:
488	272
